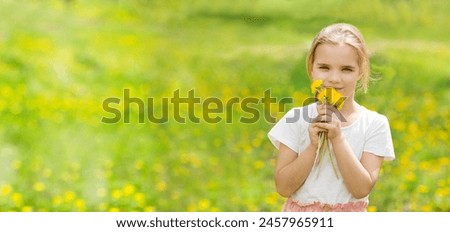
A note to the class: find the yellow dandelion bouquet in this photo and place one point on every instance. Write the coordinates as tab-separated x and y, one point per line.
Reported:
331	97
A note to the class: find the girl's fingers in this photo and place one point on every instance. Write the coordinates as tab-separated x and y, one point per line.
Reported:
325	109
323	126
322	118
316	127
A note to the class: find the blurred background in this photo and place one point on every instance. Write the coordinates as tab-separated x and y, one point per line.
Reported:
59	60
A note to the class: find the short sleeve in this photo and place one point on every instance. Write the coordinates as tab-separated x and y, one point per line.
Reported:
287	130
378	139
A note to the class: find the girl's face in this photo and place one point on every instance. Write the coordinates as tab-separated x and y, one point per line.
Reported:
337	66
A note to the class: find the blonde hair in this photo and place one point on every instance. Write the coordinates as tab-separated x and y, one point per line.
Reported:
342	33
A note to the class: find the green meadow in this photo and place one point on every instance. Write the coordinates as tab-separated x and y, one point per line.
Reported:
60	61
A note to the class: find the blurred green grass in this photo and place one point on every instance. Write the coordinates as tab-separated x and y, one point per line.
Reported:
60	59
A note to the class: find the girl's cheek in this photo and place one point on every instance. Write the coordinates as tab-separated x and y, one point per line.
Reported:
317	75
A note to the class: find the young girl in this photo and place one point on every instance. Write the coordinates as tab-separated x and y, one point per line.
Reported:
360	139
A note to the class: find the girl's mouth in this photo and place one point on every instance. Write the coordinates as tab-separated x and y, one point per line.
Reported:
337	89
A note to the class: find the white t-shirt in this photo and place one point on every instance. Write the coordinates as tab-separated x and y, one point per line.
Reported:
369	132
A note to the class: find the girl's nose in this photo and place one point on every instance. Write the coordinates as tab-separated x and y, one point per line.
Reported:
334	77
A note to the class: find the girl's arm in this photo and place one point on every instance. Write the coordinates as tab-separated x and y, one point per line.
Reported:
292	169
359	176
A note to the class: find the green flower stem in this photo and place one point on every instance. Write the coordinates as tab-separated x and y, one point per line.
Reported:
323	145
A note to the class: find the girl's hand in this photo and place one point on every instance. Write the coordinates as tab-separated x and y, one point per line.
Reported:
327	120
313	131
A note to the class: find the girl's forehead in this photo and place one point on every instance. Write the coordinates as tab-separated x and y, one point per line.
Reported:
332	53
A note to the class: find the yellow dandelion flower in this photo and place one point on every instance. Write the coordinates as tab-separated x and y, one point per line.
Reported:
402	104
315	86
410	176
271	200
424	165
195	162
444	161
258	164
372	208
191	208
116	194
80	204
139	198
422	188
332	97
27	209
256	142
149	209
203	204
39	186
17	199
427	208
327	95
57	200
405	161
252	208
413	128
321	96
214	209
128	189
161	186
6	189
440	193
6	91
335	98
114	209
247	149
399	125
69	196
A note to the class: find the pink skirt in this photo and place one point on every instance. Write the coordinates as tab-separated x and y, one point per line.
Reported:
295	206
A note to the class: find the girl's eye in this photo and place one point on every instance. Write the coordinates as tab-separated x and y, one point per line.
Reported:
348	70
323	68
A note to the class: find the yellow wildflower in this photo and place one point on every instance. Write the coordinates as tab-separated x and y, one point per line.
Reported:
38	186
5	189
328	96
203	204
128	189
161	186
315	86
331	97
27	209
